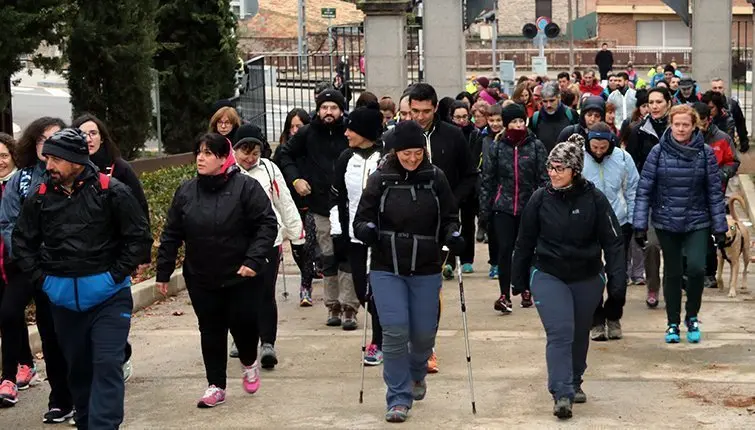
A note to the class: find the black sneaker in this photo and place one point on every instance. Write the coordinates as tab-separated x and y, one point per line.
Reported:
580	396
526	299
55	416
503	305
268	358
562	408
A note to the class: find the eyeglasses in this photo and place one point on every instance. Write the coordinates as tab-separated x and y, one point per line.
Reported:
557	169
92	134
224	123
460	117
5	157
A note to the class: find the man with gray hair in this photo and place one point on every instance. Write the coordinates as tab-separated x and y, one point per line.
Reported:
552	117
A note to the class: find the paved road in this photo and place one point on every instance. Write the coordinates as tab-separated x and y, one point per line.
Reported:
638	382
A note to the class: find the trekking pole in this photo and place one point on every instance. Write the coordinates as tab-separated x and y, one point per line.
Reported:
283	270
466	333
364	341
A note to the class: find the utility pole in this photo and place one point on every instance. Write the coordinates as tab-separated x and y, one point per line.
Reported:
421	44
302	14
571	39
495	36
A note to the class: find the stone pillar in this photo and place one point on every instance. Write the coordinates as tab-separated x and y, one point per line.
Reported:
385	46
711	56
445	47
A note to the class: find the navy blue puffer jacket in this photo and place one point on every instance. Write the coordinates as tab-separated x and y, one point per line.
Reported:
681	184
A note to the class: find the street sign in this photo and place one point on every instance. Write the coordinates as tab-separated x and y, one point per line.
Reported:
540	66
328	12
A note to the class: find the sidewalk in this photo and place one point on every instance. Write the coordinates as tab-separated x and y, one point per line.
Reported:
637	382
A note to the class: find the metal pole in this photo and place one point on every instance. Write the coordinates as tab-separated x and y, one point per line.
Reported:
752	98
495	36
302	45
420	44
330	45
156	83
570	26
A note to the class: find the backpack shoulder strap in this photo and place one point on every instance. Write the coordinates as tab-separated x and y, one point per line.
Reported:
42	190
535	117
569	114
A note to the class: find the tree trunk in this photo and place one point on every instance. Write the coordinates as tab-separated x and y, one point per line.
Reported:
6	113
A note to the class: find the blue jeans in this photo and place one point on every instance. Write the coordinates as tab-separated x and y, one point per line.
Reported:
408	309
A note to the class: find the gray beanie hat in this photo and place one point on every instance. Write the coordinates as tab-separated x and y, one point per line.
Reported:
570	153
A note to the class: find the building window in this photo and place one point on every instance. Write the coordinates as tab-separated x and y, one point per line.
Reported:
543	8
236	10
665	34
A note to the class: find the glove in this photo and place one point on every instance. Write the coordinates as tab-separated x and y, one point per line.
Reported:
641	238
720	240
367	233
455	243
340	246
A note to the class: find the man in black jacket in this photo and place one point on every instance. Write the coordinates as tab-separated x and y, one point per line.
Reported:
79	237
307	161
604	61
446	147
553	117
735	110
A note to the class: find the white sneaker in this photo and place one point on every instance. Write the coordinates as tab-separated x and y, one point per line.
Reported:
128	370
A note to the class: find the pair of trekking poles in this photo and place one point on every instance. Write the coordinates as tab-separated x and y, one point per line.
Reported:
466	337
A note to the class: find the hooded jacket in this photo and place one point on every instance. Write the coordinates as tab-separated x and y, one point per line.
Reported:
735	110
615	175
625	102
225	221
725	123
726	154
353	168
310	155
643	137
511	172
566	233
414	213
547	127
591	103
83	243
681	184
268	175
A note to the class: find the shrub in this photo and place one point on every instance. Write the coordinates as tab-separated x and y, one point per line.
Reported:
159	187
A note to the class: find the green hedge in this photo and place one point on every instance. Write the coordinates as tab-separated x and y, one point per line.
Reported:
159	187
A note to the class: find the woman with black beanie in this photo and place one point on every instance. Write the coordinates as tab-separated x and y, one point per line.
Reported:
512	170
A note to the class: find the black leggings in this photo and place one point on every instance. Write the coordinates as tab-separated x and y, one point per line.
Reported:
15	344
358	262
219	310
268	322
468	214
506	230
305	255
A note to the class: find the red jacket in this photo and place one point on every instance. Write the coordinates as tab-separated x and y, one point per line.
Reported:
595	89
725	157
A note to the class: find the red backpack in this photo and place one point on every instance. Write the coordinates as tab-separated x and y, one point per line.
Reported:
104	184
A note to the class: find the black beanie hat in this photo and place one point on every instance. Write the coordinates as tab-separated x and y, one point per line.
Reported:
366	121
331	95
70	144
408	135
247	133
642	97
512	112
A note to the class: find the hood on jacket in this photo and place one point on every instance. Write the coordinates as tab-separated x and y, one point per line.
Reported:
612	142
592	103
688	151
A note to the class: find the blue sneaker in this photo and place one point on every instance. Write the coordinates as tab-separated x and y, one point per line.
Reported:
467	268
693	330
493	274
374	356
672	333
448	272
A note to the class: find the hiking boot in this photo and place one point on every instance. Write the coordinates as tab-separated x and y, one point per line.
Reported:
448	272
652	300
693	330
334	315
467	268
562	408
480	237
234	353
268	358
128	370
26	376
526	299
710	282
397	414
419	390
374	356
305	297
614	329
212	397
432	364
503	305
672	333
349	318
598	333
250	378
493	273
8	394
56	415
580	396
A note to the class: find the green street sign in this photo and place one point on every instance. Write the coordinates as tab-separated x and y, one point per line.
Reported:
328	12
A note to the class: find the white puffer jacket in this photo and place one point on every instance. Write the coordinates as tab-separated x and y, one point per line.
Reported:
290	226
350	175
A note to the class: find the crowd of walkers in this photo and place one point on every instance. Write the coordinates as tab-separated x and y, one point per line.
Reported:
577	187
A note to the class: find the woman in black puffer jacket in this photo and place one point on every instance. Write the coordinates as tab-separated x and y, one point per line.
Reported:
512	170
407	212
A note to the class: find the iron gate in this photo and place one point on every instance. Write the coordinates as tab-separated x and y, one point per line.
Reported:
251	103
741	66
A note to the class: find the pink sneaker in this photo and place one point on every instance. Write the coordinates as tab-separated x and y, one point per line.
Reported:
8	394
213	396
251	378
26	377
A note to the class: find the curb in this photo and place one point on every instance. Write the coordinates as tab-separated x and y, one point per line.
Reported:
53	84
144	293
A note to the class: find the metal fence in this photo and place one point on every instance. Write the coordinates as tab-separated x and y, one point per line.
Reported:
741	66
252	101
